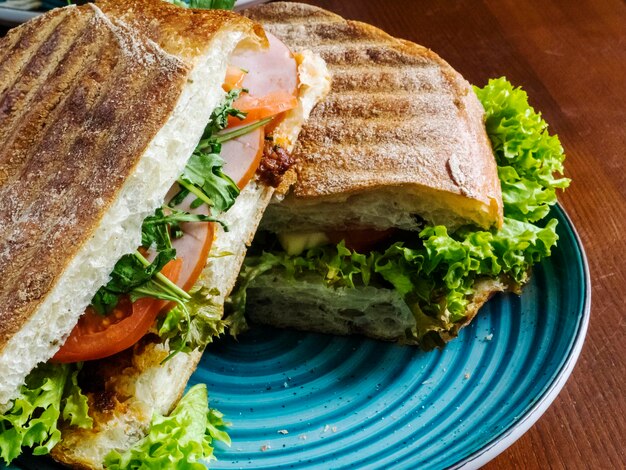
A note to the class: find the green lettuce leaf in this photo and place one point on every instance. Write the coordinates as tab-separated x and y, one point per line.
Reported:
51	391
529	158
435	270
177	441
205	4
75	406
197	326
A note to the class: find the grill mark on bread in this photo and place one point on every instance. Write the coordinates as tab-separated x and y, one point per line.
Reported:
378	132
43	61
17	52
375	54
49	212
375	105
41	95
401	82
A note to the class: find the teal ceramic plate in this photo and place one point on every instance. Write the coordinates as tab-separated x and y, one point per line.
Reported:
305	401
300	400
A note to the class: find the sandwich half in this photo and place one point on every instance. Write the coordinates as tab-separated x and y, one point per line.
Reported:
130	125
418	197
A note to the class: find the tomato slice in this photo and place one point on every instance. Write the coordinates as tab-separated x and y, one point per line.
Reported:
234	78
271	81
96	336
360	240
260	108
242	156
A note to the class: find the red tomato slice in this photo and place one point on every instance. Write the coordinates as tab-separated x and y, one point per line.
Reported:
271	81
242	156
234	78
360	240
96	336
260	108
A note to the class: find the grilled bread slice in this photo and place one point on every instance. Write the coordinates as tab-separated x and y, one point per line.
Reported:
127	389
400	134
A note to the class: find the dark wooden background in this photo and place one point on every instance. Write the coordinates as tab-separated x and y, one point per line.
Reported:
570	56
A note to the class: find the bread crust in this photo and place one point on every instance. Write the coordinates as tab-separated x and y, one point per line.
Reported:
397	116
183	32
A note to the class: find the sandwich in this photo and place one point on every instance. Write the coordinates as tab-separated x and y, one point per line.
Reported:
418	196
141	144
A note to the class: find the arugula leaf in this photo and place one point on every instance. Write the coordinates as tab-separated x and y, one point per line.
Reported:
219	117
50	391
241	130
154	233
204	177
177	441
176	216
179	197
158	229
128	274
195	326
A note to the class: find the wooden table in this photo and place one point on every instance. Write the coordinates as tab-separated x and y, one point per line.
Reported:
571	59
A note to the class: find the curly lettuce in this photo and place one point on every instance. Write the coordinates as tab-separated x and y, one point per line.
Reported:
51	392
178	441
205	4
195	326
529	158
436	270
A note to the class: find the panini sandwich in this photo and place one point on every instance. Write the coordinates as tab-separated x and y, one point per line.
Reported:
113	197
417	198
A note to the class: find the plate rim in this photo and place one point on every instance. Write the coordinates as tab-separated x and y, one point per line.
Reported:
518	428
12	16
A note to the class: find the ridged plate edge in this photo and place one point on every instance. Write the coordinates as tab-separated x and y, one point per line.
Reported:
517	429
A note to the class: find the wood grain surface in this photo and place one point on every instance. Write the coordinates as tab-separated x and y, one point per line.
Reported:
571	59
